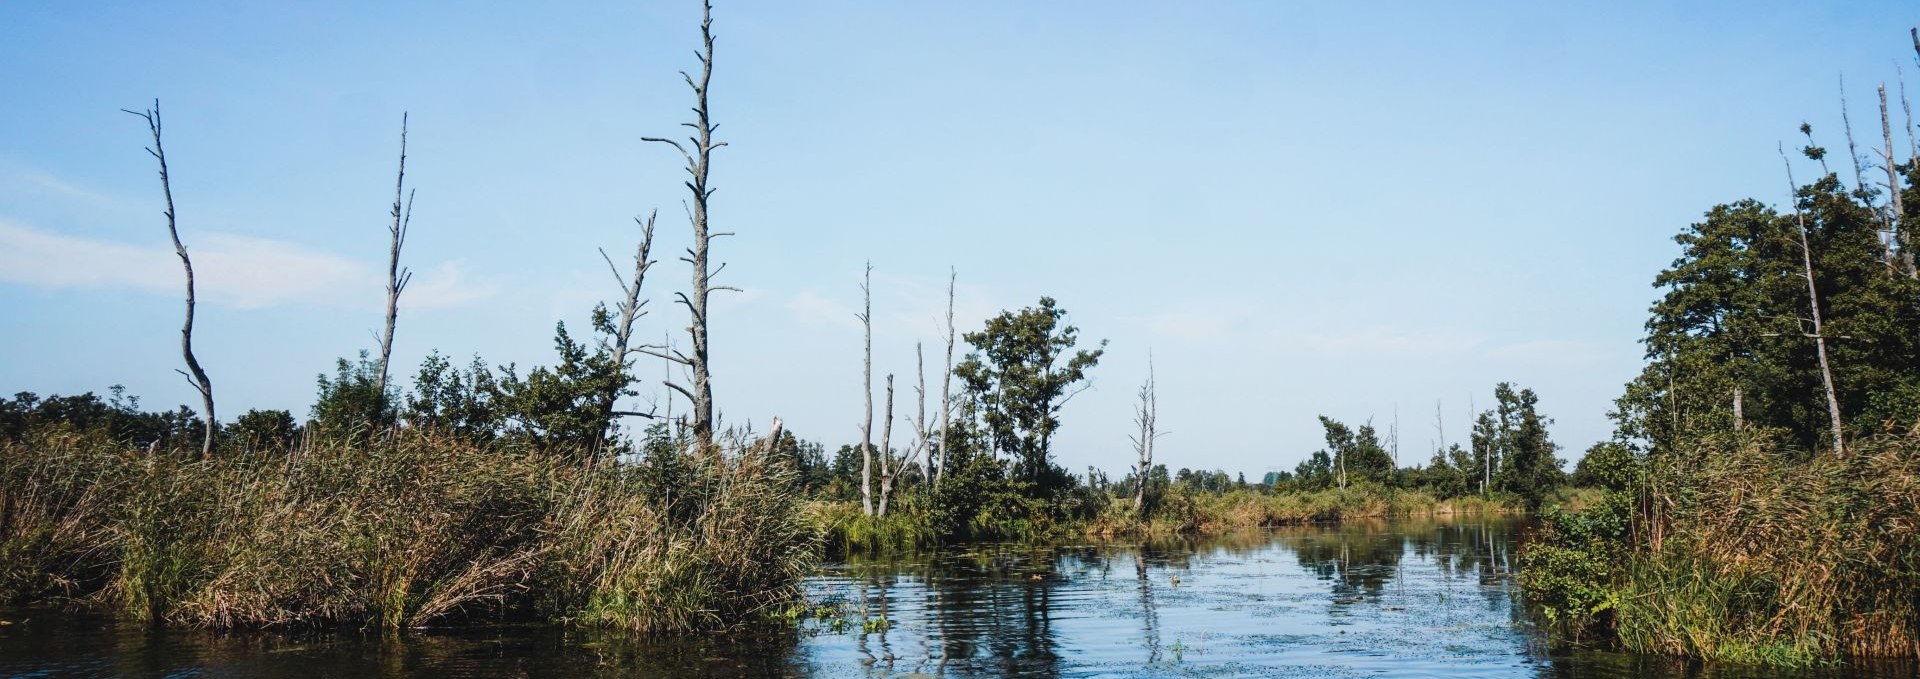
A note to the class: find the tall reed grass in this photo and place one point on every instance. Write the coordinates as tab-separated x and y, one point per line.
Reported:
416	530
1754	555
1743	551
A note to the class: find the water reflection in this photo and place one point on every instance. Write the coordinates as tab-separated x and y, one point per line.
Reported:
1426	597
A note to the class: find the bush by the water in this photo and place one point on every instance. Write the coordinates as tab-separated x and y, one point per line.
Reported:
409	530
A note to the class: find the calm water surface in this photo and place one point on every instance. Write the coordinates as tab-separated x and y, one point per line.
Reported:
1432	598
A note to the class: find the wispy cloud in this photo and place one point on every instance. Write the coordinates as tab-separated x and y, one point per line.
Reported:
36	181
238	271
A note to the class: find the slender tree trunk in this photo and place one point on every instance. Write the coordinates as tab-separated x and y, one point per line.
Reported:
923	452
1739	409
194	373
1853	154
887	469
866	378
397	277
631	308
1147	418
1813	305
946	383
700	394
1894	208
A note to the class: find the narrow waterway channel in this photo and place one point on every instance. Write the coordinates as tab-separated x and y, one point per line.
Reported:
1410	597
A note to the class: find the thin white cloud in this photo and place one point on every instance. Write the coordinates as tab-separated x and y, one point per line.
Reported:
38	181
238	271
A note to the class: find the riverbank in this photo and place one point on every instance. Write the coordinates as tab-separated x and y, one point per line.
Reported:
412	531
1179	512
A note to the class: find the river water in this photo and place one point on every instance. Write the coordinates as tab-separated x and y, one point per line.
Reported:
1412	597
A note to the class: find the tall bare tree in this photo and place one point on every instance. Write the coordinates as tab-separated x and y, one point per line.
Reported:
1813	305
866	378
921	451
194	374
1853	153
1146	416
946	382
397	277
620	345
1894	206
888	470
699	163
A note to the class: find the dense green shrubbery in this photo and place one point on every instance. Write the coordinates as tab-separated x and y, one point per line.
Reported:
1571	566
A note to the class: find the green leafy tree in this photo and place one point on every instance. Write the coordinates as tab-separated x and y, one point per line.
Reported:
1315	472
262	430
1609	465
449	400
1728	343
352	406
1527	466
1356	455
1022	371
558	408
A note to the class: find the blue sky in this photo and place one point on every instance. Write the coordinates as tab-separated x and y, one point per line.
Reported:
1300	209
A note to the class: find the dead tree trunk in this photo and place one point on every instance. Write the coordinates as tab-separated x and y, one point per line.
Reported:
866	378
194	374
397	277
1147	417
1813	305
1853	154
946	382
887	469
1896	204
1739	409
700	393
921	446
631	308
1904	259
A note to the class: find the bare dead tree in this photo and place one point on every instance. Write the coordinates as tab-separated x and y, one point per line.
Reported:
1813	305
1893	188
1439	429
866	378
946	381
1853	154
1906	107
196	376
1393	436
397	277
1146	416
922	439
887	470
698	160
620	346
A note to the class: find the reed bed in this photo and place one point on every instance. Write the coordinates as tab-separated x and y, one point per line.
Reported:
1756	556
414	531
